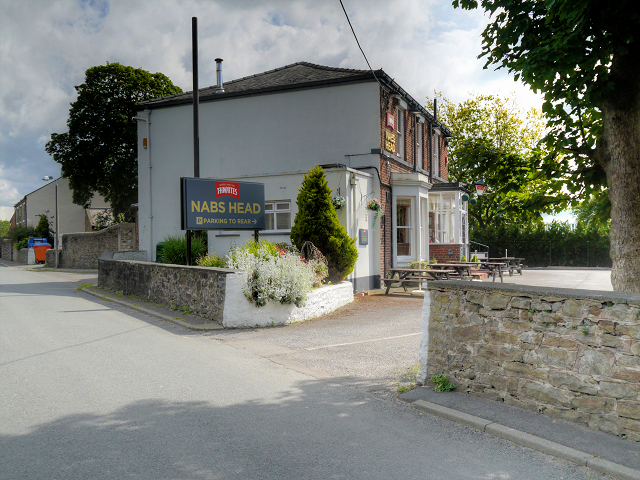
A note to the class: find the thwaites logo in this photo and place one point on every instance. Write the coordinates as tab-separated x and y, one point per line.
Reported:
228	189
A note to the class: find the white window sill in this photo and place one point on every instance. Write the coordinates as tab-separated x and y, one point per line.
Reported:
275	232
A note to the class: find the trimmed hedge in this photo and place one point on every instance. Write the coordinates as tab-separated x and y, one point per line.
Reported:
554	244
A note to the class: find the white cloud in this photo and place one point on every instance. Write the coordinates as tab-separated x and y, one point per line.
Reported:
46	46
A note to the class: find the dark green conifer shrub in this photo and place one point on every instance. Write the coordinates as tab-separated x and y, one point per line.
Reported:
42	229
317	222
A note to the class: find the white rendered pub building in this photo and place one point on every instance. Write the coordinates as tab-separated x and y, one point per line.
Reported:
370	136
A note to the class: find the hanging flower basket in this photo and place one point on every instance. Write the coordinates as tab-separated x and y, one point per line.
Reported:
373	205
338	202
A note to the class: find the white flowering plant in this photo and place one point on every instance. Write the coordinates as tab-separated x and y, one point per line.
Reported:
338	201
284	277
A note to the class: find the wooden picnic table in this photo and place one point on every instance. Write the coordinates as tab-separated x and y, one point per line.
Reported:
513	264
415	275
460	268
494	268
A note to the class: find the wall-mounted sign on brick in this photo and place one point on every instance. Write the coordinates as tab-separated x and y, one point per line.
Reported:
390	142
391	120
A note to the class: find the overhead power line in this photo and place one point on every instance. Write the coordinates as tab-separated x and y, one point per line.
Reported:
355	36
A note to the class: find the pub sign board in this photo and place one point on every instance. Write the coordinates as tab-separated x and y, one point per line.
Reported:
209	204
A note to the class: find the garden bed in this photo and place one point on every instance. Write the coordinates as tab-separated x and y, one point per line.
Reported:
212	293
241	313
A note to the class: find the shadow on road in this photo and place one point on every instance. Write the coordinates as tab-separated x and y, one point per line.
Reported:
316	430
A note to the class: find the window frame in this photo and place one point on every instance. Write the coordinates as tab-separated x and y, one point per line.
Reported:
275	211
408	228
419	144
436	154
400	129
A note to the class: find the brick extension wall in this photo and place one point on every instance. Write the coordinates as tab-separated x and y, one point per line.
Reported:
568	354
441	252
388	104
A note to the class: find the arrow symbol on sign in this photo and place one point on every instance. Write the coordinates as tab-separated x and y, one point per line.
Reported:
255	221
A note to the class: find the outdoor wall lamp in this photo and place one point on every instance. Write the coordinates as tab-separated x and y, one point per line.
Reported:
480	188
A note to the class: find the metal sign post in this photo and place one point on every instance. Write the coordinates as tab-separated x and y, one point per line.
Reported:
196	121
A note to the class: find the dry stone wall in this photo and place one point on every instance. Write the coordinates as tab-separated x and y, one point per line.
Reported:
82	250
201	289
6	250
569	354
212	293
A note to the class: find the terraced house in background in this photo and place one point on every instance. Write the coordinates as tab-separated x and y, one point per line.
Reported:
372	138
42	201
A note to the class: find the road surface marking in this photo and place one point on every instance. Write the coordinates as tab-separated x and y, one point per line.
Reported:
364	341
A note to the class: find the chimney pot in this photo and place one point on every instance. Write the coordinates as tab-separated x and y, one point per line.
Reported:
219	75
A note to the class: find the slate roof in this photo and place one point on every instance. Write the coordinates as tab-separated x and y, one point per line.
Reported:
297	76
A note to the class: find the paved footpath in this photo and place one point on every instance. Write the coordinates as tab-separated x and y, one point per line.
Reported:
370	346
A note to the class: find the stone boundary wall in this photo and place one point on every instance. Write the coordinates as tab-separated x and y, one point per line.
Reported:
212	293
5	250
82	250
199	288
569	354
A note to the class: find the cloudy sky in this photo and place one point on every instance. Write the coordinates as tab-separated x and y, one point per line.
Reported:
46	46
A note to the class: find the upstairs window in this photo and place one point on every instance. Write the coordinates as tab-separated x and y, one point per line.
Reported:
418	144
400	130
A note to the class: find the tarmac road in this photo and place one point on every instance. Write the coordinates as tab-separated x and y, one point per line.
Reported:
94	390
358	345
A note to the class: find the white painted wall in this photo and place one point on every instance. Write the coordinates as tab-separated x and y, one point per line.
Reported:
239	312
71	217
353	216
423	354
260	135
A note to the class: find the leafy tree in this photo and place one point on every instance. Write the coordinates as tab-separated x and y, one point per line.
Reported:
4	228
99	152
317	222
585	57
495	140
595	210
20	232
107	219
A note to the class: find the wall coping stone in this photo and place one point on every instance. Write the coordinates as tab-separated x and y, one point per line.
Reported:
599	295
228	306
108	257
